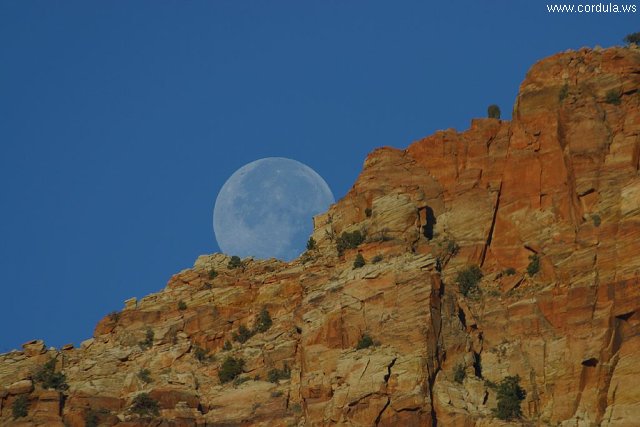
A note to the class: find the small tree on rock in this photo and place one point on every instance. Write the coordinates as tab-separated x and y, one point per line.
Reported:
493	111
359	261
534	265
234	262
276	375
243	334
264	321
633	38
311	244
201	354
613	97
365	341
145	405
468	279
148	339
349	241
145	376
230	369
510	394
20	407
49	378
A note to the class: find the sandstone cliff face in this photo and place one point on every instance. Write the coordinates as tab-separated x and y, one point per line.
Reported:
561	181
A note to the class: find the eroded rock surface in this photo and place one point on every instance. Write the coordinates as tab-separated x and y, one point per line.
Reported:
560	182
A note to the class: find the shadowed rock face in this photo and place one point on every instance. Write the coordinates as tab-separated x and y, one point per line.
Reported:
561	181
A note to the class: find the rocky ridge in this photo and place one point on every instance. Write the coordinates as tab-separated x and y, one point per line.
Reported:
560	183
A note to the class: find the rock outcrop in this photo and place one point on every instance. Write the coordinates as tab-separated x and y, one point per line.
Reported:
548	205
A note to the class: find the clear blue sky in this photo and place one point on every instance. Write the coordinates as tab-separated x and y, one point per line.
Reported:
120	121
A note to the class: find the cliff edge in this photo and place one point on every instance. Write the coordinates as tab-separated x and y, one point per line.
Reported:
546	205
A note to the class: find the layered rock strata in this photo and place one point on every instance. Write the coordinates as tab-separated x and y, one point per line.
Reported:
560	184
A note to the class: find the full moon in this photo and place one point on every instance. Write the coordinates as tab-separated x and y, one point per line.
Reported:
265	208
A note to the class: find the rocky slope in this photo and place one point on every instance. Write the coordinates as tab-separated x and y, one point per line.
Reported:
560	182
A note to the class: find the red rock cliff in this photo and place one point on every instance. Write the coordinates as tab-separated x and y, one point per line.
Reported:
559	184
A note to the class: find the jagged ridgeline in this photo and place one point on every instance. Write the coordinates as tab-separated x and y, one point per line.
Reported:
475	276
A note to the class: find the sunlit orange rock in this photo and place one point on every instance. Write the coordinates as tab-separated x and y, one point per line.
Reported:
548	205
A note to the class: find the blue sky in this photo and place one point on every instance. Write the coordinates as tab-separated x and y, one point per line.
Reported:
120	121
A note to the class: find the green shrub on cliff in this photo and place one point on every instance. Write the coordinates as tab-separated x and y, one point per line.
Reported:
48	378
493	111
243	334
234	262
20	407
359	261
145	405
264	321
468	279
613	97
633	38
510	394
349	240
148	339
510	271
201	354
534	265
311	244
230	369
365	342
145	376
276	375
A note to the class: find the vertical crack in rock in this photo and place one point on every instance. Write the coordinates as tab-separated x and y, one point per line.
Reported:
535	395
493	226
575	210
389	366
613	401
384	408
63	400
386	382
365	369
435	354
609	363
